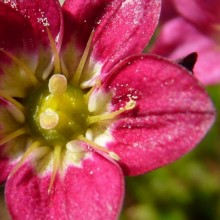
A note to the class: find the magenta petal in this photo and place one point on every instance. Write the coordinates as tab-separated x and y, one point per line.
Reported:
172	113
168	11
91	191
42	13
21	46
121	27
5	167
124	32
173	43
204	14
80	17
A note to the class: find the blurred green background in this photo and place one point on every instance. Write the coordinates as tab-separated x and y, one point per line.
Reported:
188	189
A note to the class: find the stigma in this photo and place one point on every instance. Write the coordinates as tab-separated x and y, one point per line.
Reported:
48	119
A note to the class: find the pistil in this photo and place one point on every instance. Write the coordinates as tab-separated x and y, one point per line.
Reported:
49	119
57	84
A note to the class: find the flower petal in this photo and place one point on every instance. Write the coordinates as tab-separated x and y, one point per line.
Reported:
42	14
122	27
168	11
6	167
23	47
172	113
204	14
93	191
173	43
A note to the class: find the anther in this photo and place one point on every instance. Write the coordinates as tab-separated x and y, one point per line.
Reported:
130	105
49	119
95	146
114	156
74	146
97	85
96	118
57	84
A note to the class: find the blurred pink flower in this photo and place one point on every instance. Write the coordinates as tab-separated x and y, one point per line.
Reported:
81	107
196	29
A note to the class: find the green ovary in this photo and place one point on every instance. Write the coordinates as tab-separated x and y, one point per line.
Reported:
64	115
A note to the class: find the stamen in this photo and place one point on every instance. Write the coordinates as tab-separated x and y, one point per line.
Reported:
97	85
16	113
97	147
57	68
56	163
13	135
12	100
64	69
129	106
49	119
32	147
57	84
74	146
23	66
77	75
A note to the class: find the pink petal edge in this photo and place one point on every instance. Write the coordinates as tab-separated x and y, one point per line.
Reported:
121	28
42	14
24	46
94	190
173	43
172	114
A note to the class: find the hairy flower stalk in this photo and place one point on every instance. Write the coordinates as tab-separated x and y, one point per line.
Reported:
78	110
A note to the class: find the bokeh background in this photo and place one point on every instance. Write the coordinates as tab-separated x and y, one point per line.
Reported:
188	189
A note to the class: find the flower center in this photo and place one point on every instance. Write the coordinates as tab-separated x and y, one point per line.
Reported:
57	112
59	120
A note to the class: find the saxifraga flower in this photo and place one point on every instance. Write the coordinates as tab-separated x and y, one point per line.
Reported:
81	107
200	19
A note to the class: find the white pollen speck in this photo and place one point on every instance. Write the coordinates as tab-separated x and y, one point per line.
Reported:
44	21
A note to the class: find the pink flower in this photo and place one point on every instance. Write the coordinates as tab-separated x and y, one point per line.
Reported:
195	29
81	107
